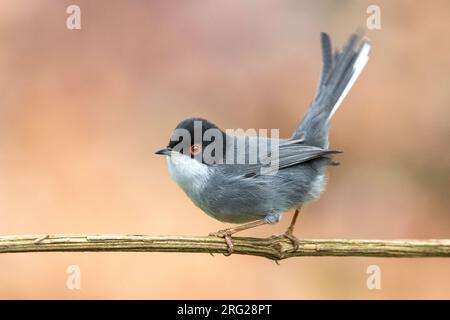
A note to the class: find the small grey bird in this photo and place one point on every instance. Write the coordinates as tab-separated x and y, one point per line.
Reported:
240	191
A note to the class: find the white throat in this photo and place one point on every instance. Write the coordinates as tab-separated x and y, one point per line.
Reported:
188	173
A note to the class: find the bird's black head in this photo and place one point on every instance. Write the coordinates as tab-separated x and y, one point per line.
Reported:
199	139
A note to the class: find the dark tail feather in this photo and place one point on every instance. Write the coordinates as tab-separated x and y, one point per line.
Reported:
339	72
327	60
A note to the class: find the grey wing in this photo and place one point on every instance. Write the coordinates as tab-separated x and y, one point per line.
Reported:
288	155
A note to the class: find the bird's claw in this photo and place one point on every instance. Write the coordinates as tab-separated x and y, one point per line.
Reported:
219	234
295	242
226	234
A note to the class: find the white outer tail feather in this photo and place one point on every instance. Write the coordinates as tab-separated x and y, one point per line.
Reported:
358	67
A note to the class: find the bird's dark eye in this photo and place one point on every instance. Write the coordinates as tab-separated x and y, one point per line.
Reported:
195	149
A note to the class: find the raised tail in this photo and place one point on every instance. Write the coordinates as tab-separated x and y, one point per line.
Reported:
339	72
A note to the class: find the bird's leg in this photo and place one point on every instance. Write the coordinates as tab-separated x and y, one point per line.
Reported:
227	233
289	233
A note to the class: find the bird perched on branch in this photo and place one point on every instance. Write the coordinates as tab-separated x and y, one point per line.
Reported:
232	180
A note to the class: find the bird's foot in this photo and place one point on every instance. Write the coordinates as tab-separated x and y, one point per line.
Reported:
226	234
289	235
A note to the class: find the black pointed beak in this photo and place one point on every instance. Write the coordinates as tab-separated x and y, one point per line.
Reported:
164	151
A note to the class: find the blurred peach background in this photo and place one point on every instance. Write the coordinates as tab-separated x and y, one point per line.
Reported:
82	111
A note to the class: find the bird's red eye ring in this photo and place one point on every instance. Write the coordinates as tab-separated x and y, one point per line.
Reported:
195	149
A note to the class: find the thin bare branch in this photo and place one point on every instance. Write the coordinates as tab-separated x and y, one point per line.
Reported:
272	248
